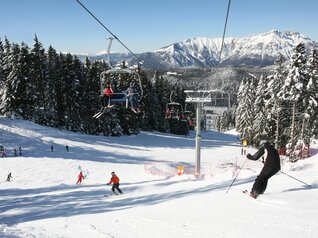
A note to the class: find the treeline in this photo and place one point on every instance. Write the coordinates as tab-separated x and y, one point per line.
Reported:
281	107
59	90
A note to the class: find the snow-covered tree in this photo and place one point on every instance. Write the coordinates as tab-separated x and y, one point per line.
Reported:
260	124
245	113
311	98
1	66
38	73
9	104
294	89
277	109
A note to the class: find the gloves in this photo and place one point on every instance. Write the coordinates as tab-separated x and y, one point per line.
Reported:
249	156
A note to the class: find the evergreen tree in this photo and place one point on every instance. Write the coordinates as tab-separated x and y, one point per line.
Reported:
163	93
294	89
1	67
38	74
8	103
260	125
89	99
53	93
311	99
157	112
147	101
24	97
5	69
72	75
278	112
245	114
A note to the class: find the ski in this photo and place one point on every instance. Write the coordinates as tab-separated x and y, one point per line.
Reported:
98	114
248	193
111	195
102	111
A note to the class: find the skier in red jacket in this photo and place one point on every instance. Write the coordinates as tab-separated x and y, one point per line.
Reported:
106	96
115	181
80	178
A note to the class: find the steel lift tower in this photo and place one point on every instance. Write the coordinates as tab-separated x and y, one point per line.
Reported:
198	97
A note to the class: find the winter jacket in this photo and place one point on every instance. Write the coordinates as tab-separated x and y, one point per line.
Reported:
272	159
108	91
80	176
114	179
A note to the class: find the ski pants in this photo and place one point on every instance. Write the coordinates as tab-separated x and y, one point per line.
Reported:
133	101
116	186
79	181
105	100
261	180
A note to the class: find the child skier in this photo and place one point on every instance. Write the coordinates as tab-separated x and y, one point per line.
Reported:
115	181
80	178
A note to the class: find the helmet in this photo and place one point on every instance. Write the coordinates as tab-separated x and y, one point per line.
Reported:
112	173
264	143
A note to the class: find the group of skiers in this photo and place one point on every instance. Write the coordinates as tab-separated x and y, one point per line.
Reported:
113	180
270	168
131	94
15	151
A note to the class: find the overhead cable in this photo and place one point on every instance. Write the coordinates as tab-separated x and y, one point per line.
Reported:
107	29
227	15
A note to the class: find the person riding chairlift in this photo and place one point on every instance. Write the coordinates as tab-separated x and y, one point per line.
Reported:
132	96
107	94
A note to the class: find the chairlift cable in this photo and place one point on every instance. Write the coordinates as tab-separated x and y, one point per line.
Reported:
107	29
227	15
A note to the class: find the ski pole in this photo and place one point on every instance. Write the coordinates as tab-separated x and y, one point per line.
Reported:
295	178
236	176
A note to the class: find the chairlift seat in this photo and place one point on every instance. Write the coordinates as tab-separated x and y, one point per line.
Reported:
120	97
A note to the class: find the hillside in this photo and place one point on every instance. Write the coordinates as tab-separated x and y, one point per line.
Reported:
42	200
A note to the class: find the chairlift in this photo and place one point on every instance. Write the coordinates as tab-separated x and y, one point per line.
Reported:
121	79
173	109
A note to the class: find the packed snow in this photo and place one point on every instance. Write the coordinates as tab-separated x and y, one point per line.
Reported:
43	200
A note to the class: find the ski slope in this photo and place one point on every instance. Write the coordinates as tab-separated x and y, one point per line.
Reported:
42	199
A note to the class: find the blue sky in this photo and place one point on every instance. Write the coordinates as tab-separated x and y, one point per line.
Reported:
146	25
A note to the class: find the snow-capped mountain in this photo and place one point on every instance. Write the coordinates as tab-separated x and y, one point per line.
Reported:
258	50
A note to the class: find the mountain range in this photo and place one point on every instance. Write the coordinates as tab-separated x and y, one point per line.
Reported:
258	50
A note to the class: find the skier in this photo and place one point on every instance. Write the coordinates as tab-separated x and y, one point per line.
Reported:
3	152
67	148
15	151
271	167
80	178
106	96
52	148
9	177
115	181
132	96
20	150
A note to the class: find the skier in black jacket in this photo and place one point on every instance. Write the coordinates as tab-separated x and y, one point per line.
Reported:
271	167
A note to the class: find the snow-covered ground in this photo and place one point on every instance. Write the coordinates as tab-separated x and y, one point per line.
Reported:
42	200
